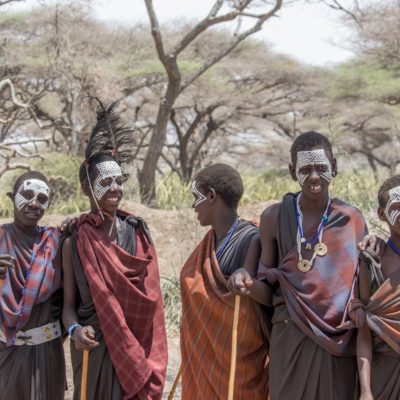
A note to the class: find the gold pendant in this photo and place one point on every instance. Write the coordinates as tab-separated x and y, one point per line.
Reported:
304	265
321	249
308	246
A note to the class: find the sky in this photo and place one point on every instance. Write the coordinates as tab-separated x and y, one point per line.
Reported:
312	34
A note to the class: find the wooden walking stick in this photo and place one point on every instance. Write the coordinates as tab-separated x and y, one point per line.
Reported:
85	364
234	348
175	385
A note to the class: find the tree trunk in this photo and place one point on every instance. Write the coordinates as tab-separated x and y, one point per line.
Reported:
147	175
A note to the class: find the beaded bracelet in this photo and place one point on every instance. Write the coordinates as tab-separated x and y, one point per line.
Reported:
72	328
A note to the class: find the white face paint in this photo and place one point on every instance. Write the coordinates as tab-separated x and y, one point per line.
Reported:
109	173
315	158
31	190
394	197
199	197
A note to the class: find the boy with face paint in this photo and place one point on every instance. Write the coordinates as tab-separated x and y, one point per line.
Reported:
208	305
112	298
31	352
377	311
308	267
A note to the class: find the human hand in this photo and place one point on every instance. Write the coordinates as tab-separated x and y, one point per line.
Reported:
6	261
366	396
68	224
372	244
84	338
240	282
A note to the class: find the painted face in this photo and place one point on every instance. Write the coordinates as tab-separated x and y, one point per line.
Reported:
31	190
198	196
313	158
110	177
394	198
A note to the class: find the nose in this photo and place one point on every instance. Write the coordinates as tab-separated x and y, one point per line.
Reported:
34	203
314	175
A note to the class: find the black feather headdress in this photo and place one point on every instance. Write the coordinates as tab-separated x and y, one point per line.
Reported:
111	136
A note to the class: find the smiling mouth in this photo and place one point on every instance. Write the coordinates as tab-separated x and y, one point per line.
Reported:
32	214
115	199
315	188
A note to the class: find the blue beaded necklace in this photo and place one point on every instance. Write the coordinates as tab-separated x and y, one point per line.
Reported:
393	246
228	238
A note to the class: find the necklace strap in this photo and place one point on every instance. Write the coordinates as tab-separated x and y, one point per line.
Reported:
228	238
300	232
393	246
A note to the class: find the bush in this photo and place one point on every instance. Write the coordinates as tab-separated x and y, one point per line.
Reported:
172	303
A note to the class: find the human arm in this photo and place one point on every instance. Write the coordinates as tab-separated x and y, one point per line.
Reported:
364	337
242	281
82	335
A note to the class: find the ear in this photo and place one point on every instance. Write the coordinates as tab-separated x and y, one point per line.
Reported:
212	196
10	195
292	171
85	188
334	167
381	214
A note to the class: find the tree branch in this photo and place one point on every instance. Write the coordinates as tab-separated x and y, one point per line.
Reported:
239	38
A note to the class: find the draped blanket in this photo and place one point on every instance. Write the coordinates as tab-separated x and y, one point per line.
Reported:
382	313
34	278
206	334
127	297
317	300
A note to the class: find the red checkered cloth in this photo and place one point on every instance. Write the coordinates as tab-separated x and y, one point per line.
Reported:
34	278
128	301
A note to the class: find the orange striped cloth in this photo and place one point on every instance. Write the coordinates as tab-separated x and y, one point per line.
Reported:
206	334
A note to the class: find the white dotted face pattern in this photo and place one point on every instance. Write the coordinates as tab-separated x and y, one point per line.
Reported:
199	197
312	158
394	197
31	190
107	169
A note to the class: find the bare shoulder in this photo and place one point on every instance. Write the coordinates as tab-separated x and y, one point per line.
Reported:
269	222
270	214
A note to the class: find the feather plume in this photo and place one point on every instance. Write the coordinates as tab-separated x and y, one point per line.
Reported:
111	136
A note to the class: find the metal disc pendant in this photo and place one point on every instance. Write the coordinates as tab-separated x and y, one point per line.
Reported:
303	265
321	249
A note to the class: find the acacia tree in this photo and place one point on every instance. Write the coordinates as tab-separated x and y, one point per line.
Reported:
366	90
222	12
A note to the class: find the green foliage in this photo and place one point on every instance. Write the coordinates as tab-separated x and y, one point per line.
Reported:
354	187
173	194
172	303
270	185
364	80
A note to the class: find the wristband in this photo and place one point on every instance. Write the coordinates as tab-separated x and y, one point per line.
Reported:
72	328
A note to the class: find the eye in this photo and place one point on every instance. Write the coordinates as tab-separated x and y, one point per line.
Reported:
28	194
321	168
120	180
106	182
306	170
42	198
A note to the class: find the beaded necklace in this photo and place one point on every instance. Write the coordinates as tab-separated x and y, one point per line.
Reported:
320	249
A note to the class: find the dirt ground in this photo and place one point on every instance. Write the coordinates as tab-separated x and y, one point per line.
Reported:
175	234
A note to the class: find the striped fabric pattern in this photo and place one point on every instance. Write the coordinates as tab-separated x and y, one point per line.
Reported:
34	278
127	297
382	312
206	334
